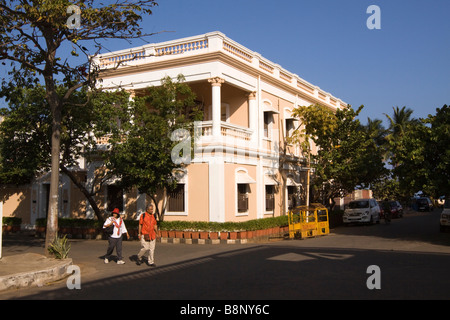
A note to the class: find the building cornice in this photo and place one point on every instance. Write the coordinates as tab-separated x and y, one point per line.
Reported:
211	47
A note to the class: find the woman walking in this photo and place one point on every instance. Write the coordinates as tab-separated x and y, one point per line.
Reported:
115	239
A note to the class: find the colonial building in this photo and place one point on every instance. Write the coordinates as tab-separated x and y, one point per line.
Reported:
243	168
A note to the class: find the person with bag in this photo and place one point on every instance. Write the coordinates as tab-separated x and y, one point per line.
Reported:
115	226
147	236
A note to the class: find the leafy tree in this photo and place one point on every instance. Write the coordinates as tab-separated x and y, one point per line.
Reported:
143	157
26	130
408	159
437	151
32	35
422	158
387	187
399	125
347	155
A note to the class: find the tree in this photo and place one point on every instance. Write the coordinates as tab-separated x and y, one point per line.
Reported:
422	158
437	152
26	130
143	158
32	34
347	155
399	125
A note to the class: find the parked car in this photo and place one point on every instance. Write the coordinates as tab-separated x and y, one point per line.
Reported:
424	204
394	207
445	216
440	201
362	211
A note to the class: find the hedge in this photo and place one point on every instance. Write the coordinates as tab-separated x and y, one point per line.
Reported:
11	221
250	225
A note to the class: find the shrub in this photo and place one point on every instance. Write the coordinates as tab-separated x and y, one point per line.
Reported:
11	221
59	248
255	224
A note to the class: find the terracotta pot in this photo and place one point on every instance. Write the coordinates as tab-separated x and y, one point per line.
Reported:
164	233
223	235
233	235
203	235
258	233
171	234
214	235
179	234
195	235
242	234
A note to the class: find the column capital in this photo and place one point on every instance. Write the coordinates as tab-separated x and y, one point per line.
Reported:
216	81
252	95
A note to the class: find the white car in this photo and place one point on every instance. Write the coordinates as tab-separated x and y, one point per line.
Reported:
445	216
362	211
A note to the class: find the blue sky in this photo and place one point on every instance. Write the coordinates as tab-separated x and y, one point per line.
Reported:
327	42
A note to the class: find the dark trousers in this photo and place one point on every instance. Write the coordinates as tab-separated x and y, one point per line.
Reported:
114	243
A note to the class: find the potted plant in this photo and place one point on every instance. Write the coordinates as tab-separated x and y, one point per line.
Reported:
178	234
223	235
164	233
233	235
41	224
11	224
195	235
203	234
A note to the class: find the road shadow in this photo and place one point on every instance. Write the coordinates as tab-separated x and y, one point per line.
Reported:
268	272
414	226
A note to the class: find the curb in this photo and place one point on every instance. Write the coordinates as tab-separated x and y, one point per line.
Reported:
51	270
262	239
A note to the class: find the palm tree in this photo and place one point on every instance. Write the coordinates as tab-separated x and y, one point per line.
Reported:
399	124
376	131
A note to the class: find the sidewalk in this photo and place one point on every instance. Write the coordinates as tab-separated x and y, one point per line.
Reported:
23	263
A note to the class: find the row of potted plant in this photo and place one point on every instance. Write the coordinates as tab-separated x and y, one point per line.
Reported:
224	230
11	224
90	228
223	235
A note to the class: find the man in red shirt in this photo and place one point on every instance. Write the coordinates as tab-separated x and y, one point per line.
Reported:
147	235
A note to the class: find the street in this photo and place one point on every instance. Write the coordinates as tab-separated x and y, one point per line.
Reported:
412	257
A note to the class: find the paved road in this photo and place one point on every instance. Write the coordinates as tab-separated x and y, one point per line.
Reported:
412	255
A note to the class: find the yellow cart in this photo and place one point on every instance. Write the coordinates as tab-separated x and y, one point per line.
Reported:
308	221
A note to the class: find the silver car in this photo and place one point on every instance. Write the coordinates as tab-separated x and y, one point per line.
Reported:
362	211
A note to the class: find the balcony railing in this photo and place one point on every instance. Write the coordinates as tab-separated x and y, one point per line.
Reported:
227	130
207	43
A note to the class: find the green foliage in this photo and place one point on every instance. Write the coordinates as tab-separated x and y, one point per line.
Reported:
142	157
256	224
348	154
59	248
72	222
11	221
420	154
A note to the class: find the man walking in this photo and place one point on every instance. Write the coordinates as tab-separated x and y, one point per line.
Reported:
147	236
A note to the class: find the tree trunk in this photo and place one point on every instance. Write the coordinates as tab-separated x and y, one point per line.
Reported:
53	201
84	191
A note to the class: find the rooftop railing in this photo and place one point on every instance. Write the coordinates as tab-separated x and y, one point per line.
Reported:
207	43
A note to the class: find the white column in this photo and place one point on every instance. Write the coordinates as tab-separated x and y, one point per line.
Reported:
253	116
216	190
216	83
